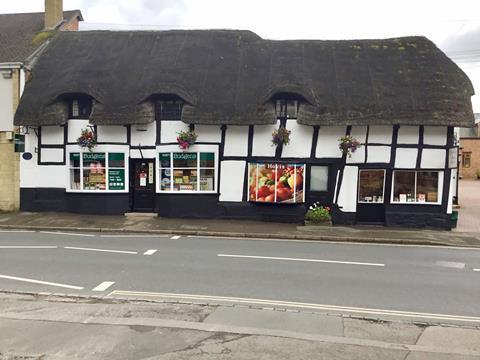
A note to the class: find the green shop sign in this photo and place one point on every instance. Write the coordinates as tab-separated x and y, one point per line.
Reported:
94	156
184	156
19	143
116	179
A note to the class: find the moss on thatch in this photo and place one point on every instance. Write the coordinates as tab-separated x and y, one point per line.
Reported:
43	36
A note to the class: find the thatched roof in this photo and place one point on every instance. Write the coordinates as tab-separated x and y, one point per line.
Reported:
230	77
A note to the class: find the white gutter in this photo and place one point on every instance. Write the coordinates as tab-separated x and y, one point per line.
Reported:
11	65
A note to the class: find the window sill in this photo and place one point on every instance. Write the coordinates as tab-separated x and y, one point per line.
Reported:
97	191
415	203
187	192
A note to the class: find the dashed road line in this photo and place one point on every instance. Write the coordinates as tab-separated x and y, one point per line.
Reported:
33	281
175	237
103	286
476	269
300	259
28	247
133	236
451	264
150	252
17	231
102	250
66	233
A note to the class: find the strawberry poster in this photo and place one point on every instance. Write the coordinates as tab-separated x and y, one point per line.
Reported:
276	183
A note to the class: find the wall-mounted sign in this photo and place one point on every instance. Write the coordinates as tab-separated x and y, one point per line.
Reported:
276	183
116	179
27	156
150	173
19	143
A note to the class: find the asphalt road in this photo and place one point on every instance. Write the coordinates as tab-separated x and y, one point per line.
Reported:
434	280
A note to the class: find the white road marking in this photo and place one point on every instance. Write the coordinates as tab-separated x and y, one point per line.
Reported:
476	269
66	233
300	259
150	252
40	282
102	250
133	236
103	286
451	264
28	247
17	231
176	237
292	304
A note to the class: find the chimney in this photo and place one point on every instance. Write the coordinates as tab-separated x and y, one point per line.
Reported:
53	13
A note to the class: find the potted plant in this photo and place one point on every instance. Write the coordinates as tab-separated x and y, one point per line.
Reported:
281	136
186	139
318	215
348	145
87	139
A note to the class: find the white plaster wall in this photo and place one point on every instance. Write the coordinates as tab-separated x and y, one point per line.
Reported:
147	154
52	135
232	175
42	176
144	134
169	130
75	128
208	133
359	133
51	155
6	104
378	154
357	157
408	135
327	144
347	198
28	167
236	141
451	191
433	158
380	134
300	140
406	158
262	140
109	134
435	135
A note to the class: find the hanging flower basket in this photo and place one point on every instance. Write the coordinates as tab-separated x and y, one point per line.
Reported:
281	136
186	139
87	139
348	145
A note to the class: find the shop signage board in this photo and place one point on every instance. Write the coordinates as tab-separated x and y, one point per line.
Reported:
276	183
116	179
19	143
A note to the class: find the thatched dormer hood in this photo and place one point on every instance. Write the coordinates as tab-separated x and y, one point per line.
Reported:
230	77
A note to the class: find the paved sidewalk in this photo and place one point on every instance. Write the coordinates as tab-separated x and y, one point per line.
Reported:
232	228
44	327
469	200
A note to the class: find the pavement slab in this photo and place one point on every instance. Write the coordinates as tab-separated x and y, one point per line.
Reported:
468	339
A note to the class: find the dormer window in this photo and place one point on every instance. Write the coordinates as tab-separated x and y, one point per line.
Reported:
286	109
169	109
80	108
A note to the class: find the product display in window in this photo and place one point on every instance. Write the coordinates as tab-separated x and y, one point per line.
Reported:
415	186
371	184
427	186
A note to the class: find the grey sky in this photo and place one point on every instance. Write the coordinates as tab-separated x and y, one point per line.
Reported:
453	25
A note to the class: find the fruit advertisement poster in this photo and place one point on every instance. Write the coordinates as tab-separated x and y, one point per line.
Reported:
276	183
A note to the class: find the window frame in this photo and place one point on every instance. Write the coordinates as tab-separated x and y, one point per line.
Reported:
416	202
193	149
80	102
469	153
383	188
106	151
159	114
310	178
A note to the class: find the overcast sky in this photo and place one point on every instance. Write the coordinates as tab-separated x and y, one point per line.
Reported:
454	25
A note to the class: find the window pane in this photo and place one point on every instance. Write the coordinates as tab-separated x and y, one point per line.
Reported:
319	178
404	186
207	179
75	179
94	179
370	188
97	159
74	159
165	160
116	179
207	160
466	159
184	180
165	179
116	160
185	160
427	186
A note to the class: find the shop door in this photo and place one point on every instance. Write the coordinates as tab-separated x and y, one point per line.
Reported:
371	197
143	185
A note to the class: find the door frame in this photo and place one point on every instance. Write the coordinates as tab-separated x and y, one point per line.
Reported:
133	162
371	207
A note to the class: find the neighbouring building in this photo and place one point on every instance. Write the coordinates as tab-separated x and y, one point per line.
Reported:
22	36
470	151
136	91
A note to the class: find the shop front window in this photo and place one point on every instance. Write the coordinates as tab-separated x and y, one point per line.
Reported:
319	178
187	171
371	186
276	183
97	171
416	186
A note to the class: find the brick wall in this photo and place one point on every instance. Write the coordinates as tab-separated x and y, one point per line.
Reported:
72	25
10	161
471	145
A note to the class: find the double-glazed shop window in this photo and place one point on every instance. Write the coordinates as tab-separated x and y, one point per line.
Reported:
187	171
416	186
97	171
371	186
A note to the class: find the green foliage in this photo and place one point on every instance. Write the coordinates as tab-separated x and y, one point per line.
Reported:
318	214
43	36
